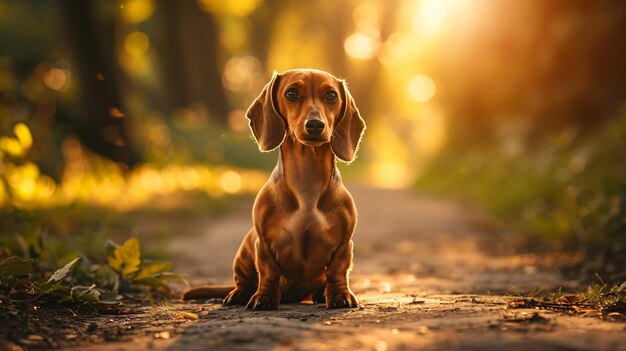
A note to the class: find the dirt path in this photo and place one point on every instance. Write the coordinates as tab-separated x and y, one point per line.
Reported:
430	274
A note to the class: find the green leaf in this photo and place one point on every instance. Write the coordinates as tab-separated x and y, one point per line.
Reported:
56	290
63	272
16	266
86	293
126	258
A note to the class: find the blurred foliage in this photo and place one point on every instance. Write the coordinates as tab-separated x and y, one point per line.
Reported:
569	190
92	180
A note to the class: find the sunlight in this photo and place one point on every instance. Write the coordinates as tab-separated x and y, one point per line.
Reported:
288	51
391	175
19	145
430	128
363	44
89	178
134	58
11	146
136	43
239	73
399	48
230	181
23	135
385	286
233	7
421	88
365	15
429	16
189	179
55	78
137	11
389	167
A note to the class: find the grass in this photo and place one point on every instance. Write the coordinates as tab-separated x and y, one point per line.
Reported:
603	300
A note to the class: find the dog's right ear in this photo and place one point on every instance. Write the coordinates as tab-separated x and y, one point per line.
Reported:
266	123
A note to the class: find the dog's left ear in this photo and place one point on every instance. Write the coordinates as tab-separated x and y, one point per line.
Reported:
348	129
266	123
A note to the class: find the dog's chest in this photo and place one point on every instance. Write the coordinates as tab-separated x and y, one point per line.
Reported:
305	232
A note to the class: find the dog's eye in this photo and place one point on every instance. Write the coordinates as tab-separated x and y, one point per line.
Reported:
331	97
292	94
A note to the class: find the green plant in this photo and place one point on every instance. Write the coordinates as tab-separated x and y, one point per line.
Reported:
81	282
605	297
600	300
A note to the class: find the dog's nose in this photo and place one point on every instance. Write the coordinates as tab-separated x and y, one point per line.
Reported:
314	126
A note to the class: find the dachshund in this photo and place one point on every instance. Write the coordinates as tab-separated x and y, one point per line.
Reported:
300	245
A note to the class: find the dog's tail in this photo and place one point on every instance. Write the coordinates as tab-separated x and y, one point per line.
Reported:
205	292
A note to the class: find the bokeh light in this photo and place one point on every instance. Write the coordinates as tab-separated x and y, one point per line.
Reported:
421	88
55	78
230	181
363	44
239	8
137	11
136	43
239	73
135	57
430	16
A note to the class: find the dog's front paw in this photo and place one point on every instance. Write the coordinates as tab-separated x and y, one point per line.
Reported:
319	297
263	301
341	300
236	297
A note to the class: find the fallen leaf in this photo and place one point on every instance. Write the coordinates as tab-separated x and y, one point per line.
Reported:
187	315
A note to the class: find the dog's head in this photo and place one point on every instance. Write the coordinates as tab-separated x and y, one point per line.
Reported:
311	106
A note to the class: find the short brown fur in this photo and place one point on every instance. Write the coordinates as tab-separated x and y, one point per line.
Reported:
300	245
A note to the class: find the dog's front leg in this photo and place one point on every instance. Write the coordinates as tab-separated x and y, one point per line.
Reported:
338	294
267	295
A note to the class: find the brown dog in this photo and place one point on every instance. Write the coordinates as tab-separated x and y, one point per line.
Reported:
303	218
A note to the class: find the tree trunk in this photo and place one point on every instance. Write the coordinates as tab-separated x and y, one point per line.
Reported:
100	125
188	48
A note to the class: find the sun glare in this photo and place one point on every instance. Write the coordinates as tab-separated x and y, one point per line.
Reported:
421	88
137	11
429	16
363	44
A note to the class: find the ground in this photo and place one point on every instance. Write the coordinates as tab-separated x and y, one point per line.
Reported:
430	274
